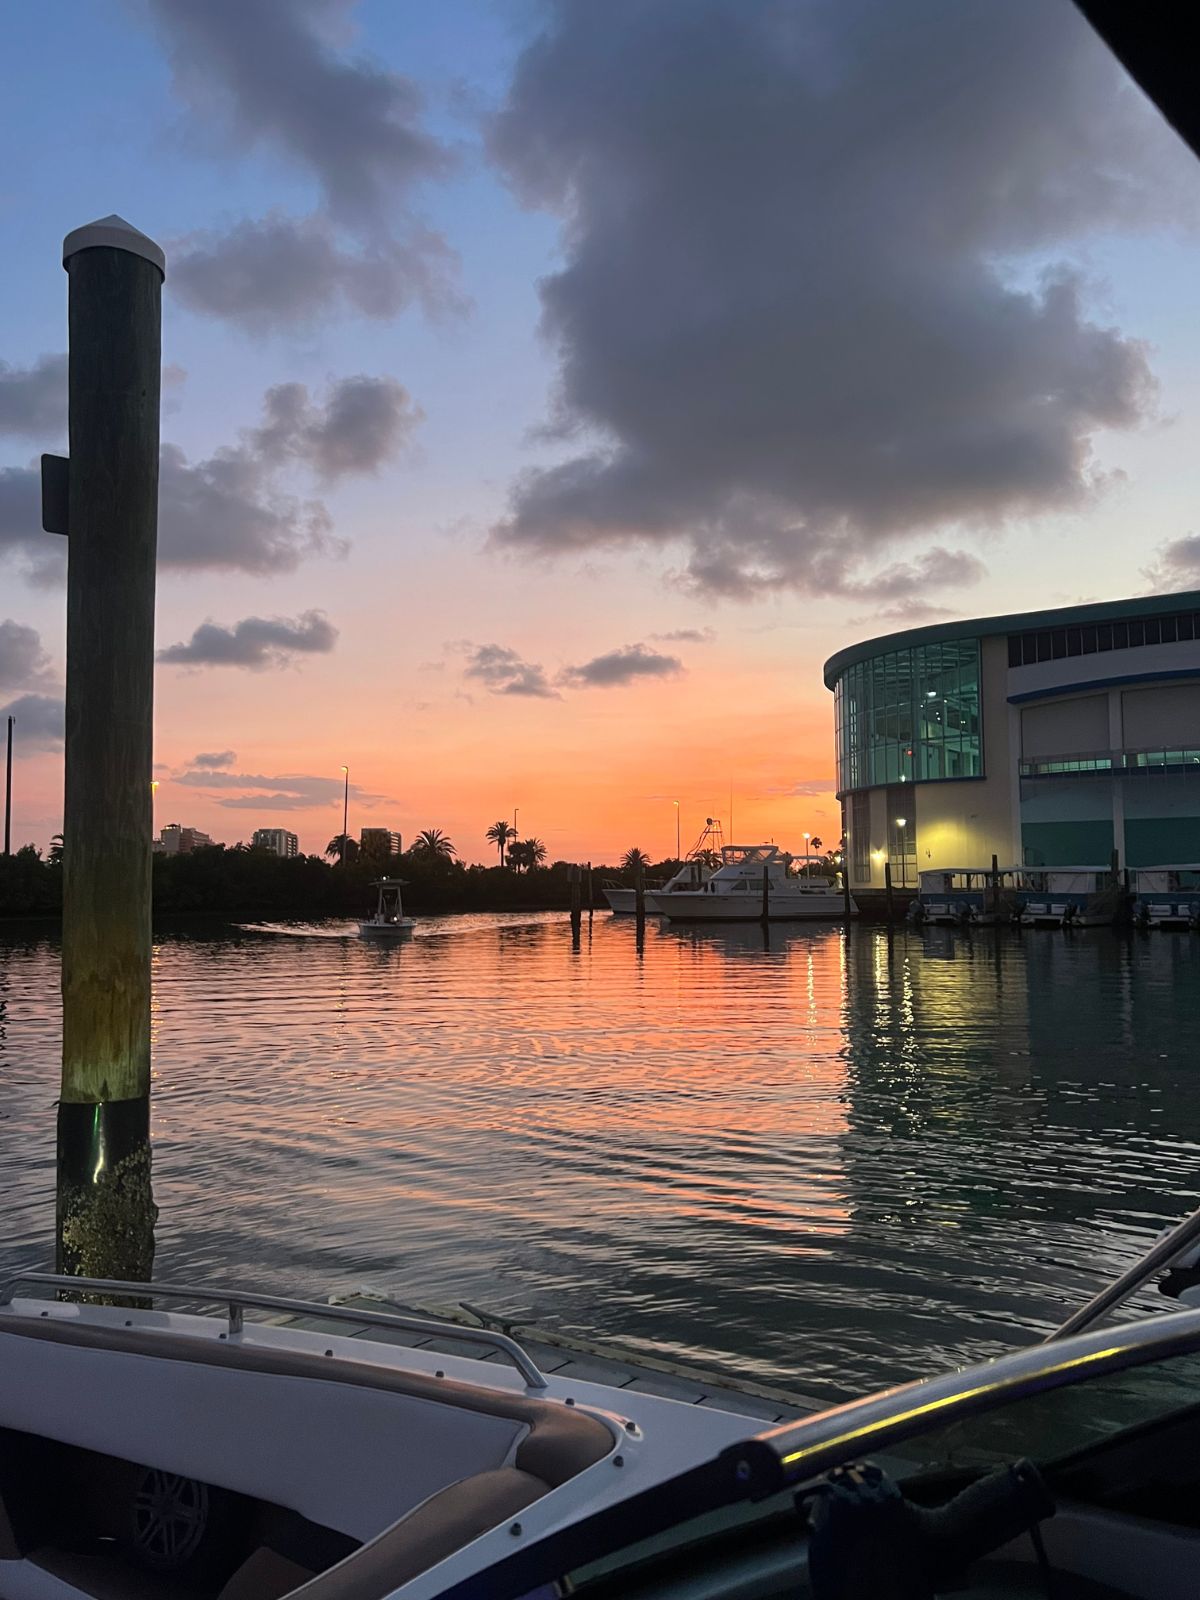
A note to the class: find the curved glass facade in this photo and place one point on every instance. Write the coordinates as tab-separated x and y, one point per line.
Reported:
910	716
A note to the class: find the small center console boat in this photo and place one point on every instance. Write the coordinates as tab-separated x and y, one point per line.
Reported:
389	921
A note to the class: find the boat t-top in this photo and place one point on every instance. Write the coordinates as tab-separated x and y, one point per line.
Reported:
389	921
753	882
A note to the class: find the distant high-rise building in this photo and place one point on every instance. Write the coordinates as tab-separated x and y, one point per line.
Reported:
379	842
177	841
277	840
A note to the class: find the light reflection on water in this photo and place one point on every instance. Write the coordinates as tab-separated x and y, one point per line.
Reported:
831	1161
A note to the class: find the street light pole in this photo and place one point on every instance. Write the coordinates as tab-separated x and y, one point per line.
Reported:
8	793
515	810
678	855
345	813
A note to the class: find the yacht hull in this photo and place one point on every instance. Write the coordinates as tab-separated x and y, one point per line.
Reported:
815	907
389	931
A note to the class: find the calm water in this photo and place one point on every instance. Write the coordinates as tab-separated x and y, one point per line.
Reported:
831	1161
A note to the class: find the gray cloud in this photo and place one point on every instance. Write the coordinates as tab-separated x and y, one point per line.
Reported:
289	791
255	642
279	77
504	672
1176	565
286	272
686	636
214	759
621	666
22	659
33	400
801	312
228	512
39	721
363	423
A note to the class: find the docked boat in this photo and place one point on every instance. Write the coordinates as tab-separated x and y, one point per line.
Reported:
365	1455
389	921
1167	896
694	871
754	883
964	896
1069	897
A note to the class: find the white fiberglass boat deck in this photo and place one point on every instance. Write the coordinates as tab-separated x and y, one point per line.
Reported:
389	921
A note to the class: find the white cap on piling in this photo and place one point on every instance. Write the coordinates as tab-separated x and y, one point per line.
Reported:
116	234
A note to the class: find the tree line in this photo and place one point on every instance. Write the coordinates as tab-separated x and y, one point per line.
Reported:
247	881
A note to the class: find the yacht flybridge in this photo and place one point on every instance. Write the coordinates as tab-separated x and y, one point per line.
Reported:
150	1454
754	883
695	870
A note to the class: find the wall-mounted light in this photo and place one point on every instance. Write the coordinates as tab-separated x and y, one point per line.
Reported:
900	821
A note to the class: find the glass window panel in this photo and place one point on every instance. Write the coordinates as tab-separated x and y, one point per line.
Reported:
1014	650
1137	633
1074	641
1104	638
1089	640
1167	630
1120	636
1058	642
1044	647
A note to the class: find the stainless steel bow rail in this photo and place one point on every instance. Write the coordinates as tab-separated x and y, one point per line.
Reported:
236	1301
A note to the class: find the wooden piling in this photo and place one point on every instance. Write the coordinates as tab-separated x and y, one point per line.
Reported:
105	1205
639	901
887	887
574	876
995	907
591	895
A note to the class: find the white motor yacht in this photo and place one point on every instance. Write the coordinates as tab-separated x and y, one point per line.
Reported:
389	921
754	883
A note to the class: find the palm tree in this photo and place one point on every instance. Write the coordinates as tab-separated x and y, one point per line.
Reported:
499	834
535	852
633	859
56	850
334	848
433	842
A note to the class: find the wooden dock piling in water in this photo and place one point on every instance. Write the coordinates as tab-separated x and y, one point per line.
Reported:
105	1225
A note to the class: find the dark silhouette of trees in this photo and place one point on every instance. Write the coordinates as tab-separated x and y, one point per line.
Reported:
434	843
334	848
499	834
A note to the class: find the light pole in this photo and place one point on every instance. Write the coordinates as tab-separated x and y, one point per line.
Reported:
678	855
8	793
900	824
345	813
515	810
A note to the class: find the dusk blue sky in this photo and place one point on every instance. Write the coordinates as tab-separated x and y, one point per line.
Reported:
765	326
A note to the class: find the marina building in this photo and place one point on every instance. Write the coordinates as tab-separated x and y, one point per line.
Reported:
277	840
1046	738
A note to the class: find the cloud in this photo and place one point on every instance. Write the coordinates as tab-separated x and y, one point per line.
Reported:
39	721
282	272
33	400
802	786
364	422
278	76
1176	565
504	672
255	642
622	666
229	511
22	659
292	791
686	636
810	308
214	759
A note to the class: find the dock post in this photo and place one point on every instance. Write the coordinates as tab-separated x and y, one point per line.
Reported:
887	888
639	902
8	793
846	888
106	1212
765	916
591	895
995	885
574	874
